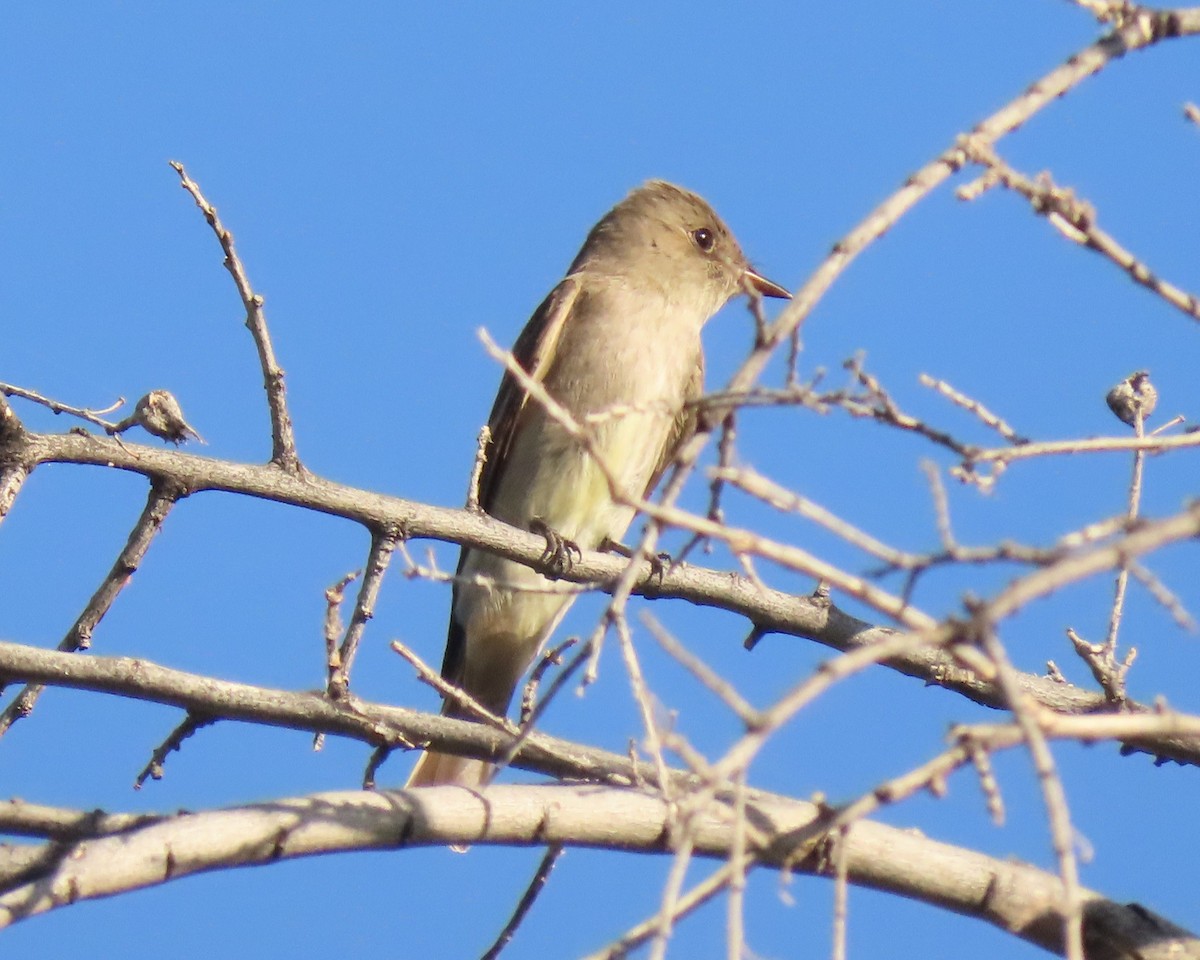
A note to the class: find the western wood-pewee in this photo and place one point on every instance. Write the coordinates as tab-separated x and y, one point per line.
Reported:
617	344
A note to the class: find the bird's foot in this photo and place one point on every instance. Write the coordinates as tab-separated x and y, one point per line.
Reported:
560	554
658	563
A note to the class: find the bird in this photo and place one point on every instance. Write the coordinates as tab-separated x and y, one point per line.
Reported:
617	343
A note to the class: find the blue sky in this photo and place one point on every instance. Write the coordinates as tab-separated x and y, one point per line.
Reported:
397	178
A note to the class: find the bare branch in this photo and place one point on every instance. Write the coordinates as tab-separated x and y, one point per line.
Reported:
551	658
56	407
448	690
724	690
1076	220
972	406
383	544
770	611
1142	30
1062	834
684	904
536	884
1013	896
162	497
283	440
174	741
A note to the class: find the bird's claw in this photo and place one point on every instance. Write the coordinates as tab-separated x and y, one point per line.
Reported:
658	563
560	553
658	566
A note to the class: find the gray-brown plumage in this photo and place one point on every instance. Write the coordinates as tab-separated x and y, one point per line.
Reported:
617	344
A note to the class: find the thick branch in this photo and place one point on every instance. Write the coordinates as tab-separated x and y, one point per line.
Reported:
373	724
1015	897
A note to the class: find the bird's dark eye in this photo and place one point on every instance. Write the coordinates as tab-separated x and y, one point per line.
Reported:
704	239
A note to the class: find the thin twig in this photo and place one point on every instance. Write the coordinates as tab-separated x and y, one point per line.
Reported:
1076	220
670	898
795	346
174	741
468	703
885	409
684	904
536	884
750	481
973	406
1146	537
552	658
374	762
1159	591
56	407
735	927
982	762
283	439
1049	448
1132	509
841	890
335	596
726	453
644	700
1026	713
941	506
161	498
383	544
529	723
724	690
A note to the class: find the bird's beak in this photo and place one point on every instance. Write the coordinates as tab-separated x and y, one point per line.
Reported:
765	287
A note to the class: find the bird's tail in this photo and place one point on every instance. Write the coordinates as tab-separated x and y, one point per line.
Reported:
438	768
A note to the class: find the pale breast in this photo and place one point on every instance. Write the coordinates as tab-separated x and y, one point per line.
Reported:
622	368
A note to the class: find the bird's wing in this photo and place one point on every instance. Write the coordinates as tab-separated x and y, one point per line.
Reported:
534	351
683	428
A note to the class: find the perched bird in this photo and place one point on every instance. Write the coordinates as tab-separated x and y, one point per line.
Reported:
617	344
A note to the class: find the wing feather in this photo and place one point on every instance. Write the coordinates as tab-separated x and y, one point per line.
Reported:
683	428
534	351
